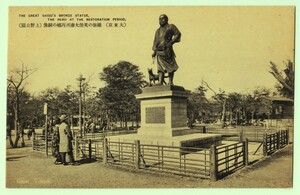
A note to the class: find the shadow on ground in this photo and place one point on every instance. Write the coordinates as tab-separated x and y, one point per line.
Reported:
86	161
14	158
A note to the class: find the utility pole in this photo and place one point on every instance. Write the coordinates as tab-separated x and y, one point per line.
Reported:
81	80
83	107
46	127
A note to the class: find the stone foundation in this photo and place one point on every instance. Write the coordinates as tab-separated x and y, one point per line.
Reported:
164	111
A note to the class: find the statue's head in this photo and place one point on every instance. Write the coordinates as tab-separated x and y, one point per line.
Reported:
163	20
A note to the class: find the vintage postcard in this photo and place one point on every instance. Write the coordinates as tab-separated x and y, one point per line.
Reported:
139	97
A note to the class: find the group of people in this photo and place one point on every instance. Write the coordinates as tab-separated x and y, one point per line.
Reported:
62	142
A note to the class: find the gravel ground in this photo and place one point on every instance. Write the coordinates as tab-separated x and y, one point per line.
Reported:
30	169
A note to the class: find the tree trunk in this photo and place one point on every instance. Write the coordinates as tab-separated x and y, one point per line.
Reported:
16	138
16	119
223	114
22	138
11	143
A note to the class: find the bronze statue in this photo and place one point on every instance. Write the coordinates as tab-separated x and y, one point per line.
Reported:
154	77
165	36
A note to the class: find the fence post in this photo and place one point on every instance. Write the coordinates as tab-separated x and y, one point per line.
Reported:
204	129
76	147
90	149
265	153
278	139
137	153
241	135
46	134
104	150
46	143
287	136
246	157
213	163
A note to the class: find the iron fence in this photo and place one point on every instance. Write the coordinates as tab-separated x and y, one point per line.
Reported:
179	160
274	141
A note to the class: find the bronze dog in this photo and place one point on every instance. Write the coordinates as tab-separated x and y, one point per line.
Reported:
154	77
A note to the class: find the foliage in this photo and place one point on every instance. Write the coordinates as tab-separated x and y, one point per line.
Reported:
60	101
240	108
286	80
93	106
33	110
24	98
234	105
198	105
123	81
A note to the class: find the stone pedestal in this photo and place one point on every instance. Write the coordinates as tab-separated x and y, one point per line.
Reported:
164	120
164	111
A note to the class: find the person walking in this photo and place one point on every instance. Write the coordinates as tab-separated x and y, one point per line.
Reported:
30	132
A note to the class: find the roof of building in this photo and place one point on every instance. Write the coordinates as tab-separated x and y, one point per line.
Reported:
279	99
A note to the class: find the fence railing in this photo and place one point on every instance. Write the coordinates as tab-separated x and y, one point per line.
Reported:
39	143
230	158
179	160
237	134
104	133
121	153
88	148
213	163
275	141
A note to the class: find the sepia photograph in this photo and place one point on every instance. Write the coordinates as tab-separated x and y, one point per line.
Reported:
150	97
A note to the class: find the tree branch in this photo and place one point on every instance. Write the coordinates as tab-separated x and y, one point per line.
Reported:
279	77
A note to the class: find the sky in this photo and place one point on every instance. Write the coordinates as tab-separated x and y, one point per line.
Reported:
228	47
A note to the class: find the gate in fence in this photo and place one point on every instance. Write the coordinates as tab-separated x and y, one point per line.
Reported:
275	141
229	158
39	143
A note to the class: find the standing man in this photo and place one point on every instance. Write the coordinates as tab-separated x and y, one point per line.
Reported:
65	141
165	36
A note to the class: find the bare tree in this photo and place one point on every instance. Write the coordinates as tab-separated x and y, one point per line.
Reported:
221	98
16	84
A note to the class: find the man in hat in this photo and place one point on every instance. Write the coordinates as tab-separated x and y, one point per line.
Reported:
65	141
165	36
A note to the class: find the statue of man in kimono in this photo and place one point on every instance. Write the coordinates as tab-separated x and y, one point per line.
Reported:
165	36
